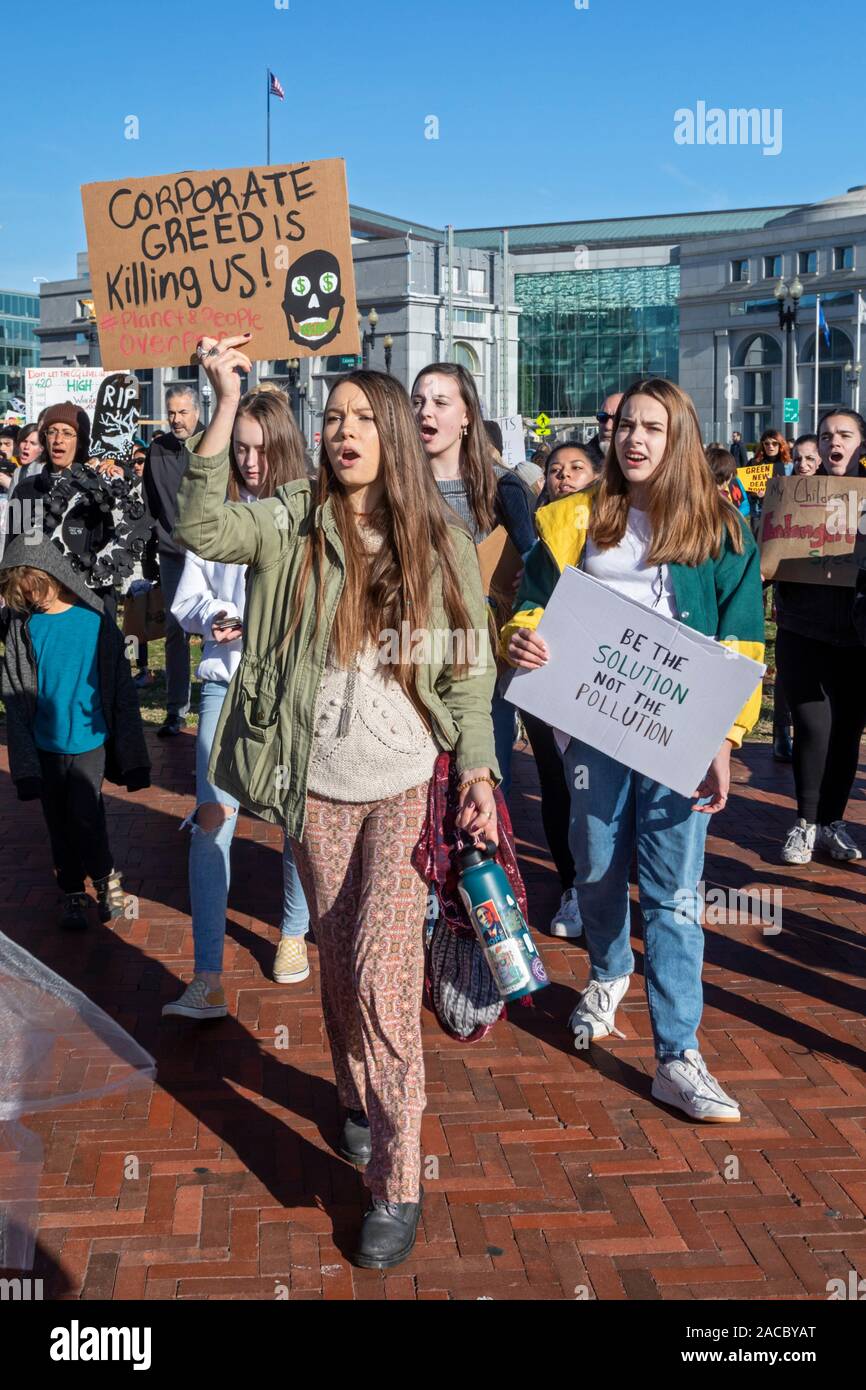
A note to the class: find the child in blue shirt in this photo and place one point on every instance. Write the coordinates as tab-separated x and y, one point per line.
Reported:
73	717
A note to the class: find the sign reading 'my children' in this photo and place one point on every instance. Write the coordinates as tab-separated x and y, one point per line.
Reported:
265	251
653	694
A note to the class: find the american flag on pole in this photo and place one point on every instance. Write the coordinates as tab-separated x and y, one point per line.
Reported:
276	86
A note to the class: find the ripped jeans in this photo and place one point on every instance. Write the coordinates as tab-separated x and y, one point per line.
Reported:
209	853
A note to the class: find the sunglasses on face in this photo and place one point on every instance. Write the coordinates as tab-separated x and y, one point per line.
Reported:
603	416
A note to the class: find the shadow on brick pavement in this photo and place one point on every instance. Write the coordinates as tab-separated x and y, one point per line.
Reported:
549	1174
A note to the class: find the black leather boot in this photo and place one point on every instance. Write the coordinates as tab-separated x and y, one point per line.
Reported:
388	1233
355	1142
782	749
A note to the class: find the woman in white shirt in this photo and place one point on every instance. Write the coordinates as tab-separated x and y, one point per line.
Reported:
658	531
267	451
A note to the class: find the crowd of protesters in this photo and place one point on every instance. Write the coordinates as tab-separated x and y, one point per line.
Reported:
289	582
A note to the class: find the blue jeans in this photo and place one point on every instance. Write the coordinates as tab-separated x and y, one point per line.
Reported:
613	812
209	853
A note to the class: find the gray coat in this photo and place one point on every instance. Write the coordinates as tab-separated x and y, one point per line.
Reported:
126	757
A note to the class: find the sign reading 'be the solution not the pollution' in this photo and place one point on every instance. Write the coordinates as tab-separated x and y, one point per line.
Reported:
266	251
653	694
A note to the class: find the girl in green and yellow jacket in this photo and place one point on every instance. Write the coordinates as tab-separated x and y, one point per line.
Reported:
657	530
365	654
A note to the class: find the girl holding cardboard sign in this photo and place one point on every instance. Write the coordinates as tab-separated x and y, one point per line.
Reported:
822	667
657	529
331	734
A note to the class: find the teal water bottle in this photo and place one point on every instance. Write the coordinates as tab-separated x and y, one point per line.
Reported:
505	938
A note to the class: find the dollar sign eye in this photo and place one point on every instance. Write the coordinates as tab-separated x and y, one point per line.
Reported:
300	285
329	282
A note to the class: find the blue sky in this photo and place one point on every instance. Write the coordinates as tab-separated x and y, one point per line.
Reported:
545	112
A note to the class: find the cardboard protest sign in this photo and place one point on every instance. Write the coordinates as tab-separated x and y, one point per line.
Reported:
44	386
499	562
813	529
265	251
115	418
755	476
651	693
513	450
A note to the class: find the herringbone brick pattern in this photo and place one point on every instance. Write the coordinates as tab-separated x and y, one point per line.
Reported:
549	1174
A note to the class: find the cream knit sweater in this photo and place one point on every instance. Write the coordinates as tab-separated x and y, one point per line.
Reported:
369	741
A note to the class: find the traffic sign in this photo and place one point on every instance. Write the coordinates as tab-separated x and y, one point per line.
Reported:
791	414
542	424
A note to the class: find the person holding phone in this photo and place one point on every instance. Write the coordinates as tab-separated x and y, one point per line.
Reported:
267	450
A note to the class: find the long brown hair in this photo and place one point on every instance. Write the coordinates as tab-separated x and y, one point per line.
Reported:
688	515
282	441
784	448
476	451
393	586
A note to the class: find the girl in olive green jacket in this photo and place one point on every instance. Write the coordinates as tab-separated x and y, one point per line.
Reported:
365	655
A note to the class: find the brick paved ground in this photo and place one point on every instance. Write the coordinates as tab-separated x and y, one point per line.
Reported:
556	1171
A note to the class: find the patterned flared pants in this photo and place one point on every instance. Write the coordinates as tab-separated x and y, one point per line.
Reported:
367	907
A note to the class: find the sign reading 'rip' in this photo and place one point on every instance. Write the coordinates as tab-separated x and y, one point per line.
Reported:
265	251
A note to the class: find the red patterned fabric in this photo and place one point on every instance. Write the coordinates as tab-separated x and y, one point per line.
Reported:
435	855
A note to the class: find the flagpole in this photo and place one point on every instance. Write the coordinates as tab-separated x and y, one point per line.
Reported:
268	84
817	362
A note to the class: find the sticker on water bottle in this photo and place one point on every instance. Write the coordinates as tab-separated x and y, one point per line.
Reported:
539	971
507	965
489	922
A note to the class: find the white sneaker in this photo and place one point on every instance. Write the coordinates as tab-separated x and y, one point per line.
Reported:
799	843
834	840
686	1084
290	963
199	1000
566	918
592	1016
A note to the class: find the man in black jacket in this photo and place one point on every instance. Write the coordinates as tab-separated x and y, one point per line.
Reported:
163	471
739	451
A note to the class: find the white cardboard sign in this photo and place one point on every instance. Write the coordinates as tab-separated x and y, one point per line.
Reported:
51	385
513	450
648	691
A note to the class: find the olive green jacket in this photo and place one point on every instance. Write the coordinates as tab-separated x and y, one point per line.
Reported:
263	741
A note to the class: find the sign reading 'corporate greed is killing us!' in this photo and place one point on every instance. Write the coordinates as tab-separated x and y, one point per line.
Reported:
653	694
265	251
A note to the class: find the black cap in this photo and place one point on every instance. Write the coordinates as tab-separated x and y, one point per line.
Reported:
471	855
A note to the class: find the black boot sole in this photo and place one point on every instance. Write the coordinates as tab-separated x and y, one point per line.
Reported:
357	1160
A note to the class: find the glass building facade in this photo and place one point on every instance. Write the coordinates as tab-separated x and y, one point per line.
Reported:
19	345
584	333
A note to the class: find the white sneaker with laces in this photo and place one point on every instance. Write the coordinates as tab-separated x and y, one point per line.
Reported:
686	1084
592	1016
566	919
799	843
834	840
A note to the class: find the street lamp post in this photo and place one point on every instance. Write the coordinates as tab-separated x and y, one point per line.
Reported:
788	298
388	345
206	393
368	339
852	376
